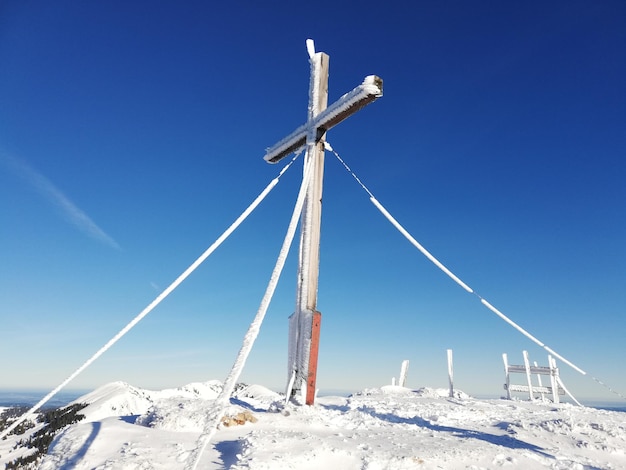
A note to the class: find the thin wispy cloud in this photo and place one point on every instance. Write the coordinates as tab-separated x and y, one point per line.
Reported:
70	211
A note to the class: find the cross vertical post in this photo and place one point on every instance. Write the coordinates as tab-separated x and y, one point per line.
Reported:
304	323
306	318
312	216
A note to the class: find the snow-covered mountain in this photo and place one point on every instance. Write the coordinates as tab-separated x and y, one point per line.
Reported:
382	428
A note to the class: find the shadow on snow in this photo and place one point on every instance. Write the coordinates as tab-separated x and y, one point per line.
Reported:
80	454
499	440
229	452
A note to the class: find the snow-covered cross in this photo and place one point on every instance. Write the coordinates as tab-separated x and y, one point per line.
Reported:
304	323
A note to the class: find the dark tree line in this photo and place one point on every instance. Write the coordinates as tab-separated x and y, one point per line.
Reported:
54	421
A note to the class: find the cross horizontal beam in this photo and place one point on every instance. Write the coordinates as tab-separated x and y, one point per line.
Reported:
367	92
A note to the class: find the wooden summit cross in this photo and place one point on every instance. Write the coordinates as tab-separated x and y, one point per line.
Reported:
304	323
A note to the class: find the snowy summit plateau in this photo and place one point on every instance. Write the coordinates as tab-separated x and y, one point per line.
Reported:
390	427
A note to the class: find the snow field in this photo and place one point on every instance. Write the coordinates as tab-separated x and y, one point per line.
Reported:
379	428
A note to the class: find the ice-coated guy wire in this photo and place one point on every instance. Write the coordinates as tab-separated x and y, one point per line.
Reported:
214	417
437	263
154	303
408	236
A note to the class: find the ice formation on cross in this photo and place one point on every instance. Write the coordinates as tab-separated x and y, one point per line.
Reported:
304	324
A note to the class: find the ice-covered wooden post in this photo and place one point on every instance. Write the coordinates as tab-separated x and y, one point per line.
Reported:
404	369
450	375
304	323
531	395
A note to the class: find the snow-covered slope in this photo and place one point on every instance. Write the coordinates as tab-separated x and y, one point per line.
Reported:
383	428
124	400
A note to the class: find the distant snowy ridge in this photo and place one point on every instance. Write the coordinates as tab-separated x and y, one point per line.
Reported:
378	428
122	399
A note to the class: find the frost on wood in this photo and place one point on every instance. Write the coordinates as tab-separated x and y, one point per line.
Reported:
298	357
368	91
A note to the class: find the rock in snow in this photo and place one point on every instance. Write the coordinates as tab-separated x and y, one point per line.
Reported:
379	428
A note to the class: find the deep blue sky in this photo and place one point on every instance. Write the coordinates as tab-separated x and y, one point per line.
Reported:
499	144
